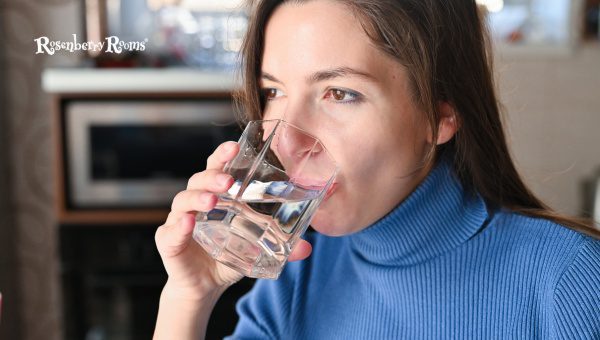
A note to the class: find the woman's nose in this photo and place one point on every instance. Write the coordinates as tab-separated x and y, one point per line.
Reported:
293	142
293	146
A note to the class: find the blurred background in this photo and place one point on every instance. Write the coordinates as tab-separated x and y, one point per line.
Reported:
85	137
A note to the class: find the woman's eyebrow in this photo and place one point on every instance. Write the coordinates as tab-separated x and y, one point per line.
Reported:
339	72
268	76
327	75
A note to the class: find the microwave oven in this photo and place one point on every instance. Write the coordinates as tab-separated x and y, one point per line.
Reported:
139	153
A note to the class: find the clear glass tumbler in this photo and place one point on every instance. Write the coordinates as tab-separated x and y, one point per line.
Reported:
281	175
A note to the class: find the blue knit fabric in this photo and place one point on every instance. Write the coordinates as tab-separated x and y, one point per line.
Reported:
441	265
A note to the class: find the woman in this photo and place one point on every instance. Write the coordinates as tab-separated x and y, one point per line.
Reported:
430	232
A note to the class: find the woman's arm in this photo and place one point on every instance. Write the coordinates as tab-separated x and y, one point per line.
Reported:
196	281
576	296
180	317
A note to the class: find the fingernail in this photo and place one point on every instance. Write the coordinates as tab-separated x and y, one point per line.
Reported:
223	179
229	147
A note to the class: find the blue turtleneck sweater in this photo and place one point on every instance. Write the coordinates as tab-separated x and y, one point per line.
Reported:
441	265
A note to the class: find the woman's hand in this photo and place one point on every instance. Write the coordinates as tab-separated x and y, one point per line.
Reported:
193	274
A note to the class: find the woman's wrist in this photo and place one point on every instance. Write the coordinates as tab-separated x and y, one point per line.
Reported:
184	313
202	294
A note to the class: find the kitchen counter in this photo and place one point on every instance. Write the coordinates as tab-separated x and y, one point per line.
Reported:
87	80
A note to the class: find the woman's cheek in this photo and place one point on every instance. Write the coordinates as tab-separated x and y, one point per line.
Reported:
339	113
271	112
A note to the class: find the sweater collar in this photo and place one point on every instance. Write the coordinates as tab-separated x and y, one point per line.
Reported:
439	215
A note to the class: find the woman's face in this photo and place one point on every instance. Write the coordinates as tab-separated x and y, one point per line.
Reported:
321	72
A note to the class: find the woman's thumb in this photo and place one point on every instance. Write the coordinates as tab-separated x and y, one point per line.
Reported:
172	240
301	251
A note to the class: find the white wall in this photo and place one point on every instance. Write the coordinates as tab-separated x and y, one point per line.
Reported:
553	114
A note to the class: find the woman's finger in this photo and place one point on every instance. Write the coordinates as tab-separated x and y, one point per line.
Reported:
210	180
301	251
223	154
172	239
193	200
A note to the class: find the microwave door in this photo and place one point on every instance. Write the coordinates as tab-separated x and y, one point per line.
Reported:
139	154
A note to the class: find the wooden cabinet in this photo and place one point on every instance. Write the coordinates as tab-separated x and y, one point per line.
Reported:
111	272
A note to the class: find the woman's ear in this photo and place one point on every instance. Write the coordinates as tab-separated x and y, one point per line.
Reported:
448	124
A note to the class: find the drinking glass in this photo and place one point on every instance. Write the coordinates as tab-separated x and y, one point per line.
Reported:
281	175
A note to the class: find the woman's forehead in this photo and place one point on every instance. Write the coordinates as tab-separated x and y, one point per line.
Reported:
317	36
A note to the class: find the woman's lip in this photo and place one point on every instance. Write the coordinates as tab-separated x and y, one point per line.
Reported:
311	184
330	190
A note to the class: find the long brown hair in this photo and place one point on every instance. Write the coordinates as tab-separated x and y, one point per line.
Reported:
446	49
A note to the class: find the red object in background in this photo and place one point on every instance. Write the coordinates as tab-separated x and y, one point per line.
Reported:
515	36
107	62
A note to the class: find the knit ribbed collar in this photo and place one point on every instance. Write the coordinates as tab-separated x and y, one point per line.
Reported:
436	217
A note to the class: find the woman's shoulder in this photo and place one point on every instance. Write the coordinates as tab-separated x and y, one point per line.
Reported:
537	229
576	295
566	261
539	240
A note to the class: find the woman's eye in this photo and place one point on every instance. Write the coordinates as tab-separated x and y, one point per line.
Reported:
342	96
271	93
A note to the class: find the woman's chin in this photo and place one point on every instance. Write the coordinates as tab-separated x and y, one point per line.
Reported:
326	224
331	219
